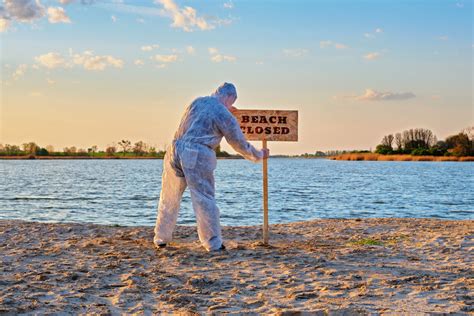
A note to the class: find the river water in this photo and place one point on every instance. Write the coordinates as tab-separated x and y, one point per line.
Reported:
126	192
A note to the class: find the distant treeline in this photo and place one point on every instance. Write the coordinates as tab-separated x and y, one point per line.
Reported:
422	142
123	149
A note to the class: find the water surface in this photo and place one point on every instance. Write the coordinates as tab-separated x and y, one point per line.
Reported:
126	192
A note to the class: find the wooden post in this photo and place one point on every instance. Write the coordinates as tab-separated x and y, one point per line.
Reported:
265	196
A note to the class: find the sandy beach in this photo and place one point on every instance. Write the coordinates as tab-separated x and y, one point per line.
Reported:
330	266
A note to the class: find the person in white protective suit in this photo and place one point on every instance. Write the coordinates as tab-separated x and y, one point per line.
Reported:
190	162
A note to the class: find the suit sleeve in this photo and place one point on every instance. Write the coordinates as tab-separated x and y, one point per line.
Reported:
230	128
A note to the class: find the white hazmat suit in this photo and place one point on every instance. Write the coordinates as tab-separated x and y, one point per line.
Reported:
190	162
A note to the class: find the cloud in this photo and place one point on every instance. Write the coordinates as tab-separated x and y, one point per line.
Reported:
27	11
228	5
374	33
50	81
19	72
295	52
113	18
87	60
213	50
218	58
373	95
57	15
372	56
185	18
190	50
147	48
139	62
4	24
443	38
166	58
140	20
82	1
24	10
97	63
52	60
327	44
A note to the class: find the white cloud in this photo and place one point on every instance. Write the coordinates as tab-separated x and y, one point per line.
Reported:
327	44
94	62
24	10
140	20
113	18
51	60
190	50
139	62
19	72
228	5
443	38
218	58
66	1
213	50
4	24
295	52
374	33
57	15
372	56
147	48
166	58
87	60
185	18
50	81
340	46
373	95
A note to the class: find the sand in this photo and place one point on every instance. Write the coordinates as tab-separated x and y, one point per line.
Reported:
330	266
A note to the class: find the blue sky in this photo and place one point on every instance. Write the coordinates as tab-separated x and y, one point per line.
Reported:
84	74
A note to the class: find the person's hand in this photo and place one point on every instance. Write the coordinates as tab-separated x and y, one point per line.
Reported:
265	153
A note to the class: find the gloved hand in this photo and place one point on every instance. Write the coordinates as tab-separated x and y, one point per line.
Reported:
265	153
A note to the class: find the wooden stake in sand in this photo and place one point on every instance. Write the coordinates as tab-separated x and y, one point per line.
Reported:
265	196
268	125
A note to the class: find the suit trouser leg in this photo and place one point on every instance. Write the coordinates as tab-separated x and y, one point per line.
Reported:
201	185
172	189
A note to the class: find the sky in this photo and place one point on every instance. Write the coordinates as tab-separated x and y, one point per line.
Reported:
94	72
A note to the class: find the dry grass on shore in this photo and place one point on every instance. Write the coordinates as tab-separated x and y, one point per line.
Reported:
378	157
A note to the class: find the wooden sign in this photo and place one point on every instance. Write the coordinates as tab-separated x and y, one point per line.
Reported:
270	125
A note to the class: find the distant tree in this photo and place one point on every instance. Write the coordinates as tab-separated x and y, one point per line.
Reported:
417	138
42	152
387	141
93	149
460	145
383	149
110	150
220	153
140	148
50	148
70	150
399	141
12	150
30	148
126	145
